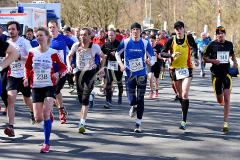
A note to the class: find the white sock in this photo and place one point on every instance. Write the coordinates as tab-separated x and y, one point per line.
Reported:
139	121
83	121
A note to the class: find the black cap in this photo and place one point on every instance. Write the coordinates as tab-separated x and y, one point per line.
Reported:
220	29
178	24
67	29
136	25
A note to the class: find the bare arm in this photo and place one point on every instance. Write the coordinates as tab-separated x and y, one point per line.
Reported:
69	59
103	59
235	64
11	55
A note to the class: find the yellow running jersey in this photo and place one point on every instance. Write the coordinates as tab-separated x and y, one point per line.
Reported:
184	59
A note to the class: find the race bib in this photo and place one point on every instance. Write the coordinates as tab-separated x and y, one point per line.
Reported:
17	66
42	73
136	64
181	73
84	61
223	56
112	65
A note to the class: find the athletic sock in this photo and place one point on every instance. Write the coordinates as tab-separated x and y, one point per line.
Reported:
47	126
83	121
185	106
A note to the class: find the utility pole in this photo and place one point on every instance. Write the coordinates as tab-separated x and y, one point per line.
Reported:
146	9
150	10
219	22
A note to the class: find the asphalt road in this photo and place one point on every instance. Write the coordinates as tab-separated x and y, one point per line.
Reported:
110	134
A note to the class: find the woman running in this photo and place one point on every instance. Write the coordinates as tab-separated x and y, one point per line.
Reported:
40	74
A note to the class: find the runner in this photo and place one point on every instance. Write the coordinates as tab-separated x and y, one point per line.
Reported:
202	44
3	37
15	76
112	71
70	76
156	68
218	53
181	66
134	67
60	43
30	36
40	74
163	40
85	63
7	55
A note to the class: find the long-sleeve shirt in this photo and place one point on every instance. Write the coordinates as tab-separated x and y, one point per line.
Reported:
60	43
134	56
39	67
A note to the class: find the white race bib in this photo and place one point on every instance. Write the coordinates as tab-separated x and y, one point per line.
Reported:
84	61
42	73
136	64
112	65
17	67
223	56
181	73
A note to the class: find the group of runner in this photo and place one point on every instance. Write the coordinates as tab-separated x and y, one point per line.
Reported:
42	71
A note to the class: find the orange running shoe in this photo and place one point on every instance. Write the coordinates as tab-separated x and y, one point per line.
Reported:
221	102
62	115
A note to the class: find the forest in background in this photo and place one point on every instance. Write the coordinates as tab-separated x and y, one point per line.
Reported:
121	13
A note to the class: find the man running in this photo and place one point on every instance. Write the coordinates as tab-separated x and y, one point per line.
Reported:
218	52
112	70
156	68
60	43
16	74
7	55
134	67
202	44
85	52
181	67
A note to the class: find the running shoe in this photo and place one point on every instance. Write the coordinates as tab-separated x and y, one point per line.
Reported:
71	89
162	76
156	94
132	111
176	98
45	148
137	128
221	102
225	127
62	115
151	94
183	125
81	129
9	131
108	105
